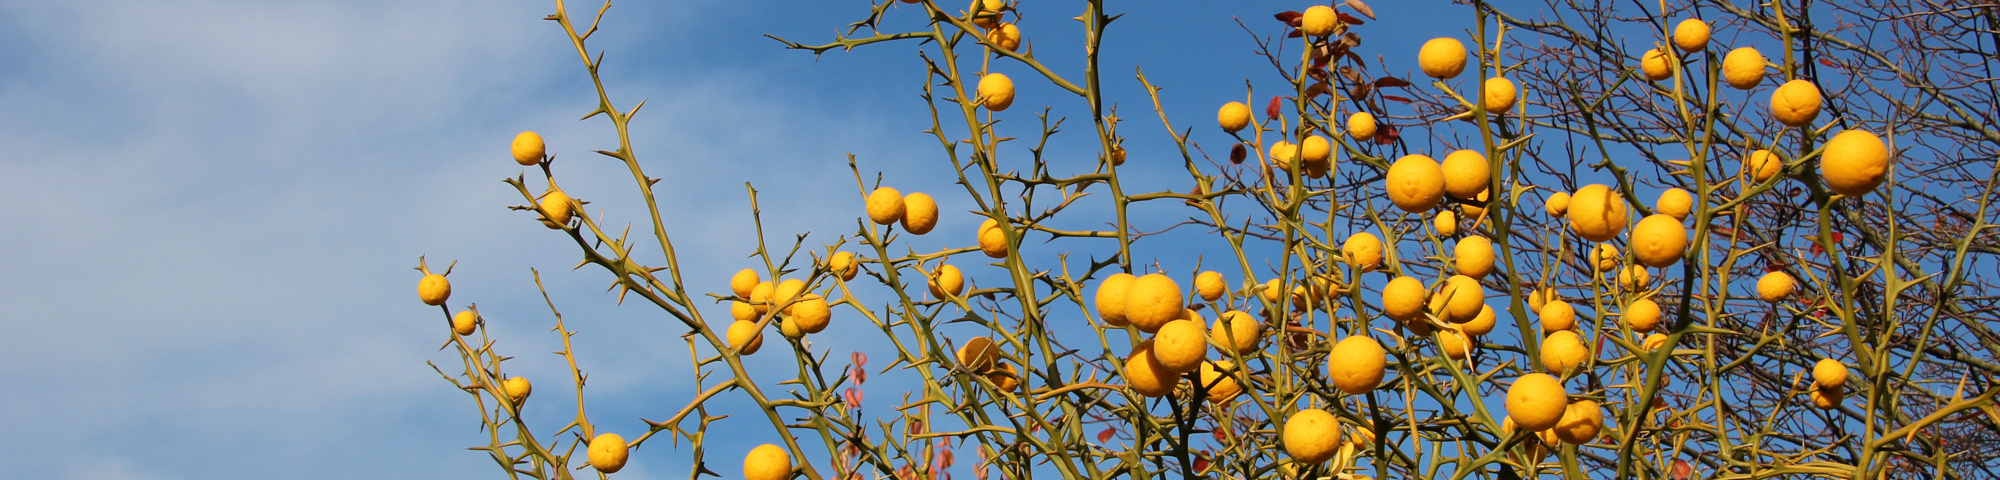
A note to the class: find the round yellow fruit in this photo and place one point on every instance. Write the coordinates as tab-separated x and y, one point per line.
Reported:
1473	257
1634	278
1270	290
1210	285
1233	116
1152	301
1403	299
1657	65
812	314
1557	316
1643	315
920	213
1318	21
433	289
742	311
1596	212
1446	223
1362	250
1580	423
1285	155
996	91
760	296
1482	323
978	354
1146	375
1606	257
1415	183
767	462
1110	299
1796	103
1221	384
1829	374
1774	287
946	281
787	291
1827	399
529	149
1006	378
1536	401
1236	332
1005	36
1558	204
1180	345
1454	343
1356	364
1743	68
556	209
885	206
1855	162
1563	351
744	280
1675	202
1458	300
517	389
608	453
1312	436
1762	165
464	323
992	240
1654	342
1442	58
1500	94
1541	298
842	264
1691	35
1465	174
1361	126
986	13
1659	240
1315	149
744	336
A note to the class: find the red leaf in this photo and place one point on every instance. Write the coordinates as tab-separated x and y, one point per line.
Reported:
1295	34
1828	63
1200	464
1396	99
1391	82
1837	238
1682	470
1271	112
1105	436
1816	250
1291	19
859	358
1349	19
1387	135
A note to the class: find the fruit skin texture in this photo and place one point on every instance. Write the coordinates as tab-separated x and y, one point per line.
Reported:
1606	257
978	354
1181	346
1361	126
1656	65
1152	301
1763	165
1829	374
744	336
1362	250
1580	423
811	313
1654	342
1634	278
1233	116
744	280
1459	300
1454	343
517	389
1111	299
1562	351
1442	58
1501	94
1743	68
841	264
1855	162
1558	204
1643	315
1210	285
1482	323
1536	401
433	289
1596	213
1691	35
1774	287
1473	257
920	213
608	452
1557	316
1315	149
946	281
1006	36
1827	399
767	462
1146	375
1796	103
1415	183
1446	223
1356	364
556	209
1285	155
1465	174
1403	299
1659	240
1318	21
1675	202
885	206
1221	386
992	241
1006	377
1312	436
529	149
996	91
1236	332
464	322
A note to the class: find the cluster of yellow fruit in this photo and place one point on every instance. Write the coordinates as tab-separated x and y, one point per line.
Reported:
982	357
1154	304
801	312
555	206
1829	383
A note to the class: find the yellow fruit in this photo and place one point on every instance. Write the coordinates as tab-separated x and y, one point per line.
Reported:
1152	301
517	389
786	291
1442	58
996	91
1536	401
1580	423
760	296
529	149
1762	165
1540	298
1675	202
789	328
1210	285
1500	94
842	264
1465	174
1473	256
946	281
1643	315
1654	342
1691	35
885	206
1774	287
1454	343
433	289
1233	116
1145	374
1596	212
1743	68
1181	345
1659	240
978	354
1537	446
1606	257
1312	436
1361	126
1827	399
1403	299
1004	36
742	311
811	313
1656	65
1855	163
1415	183
1362	250
1634	278
1111	299
1829	374
556	209
1270	290
1557	316
1482	323
1221	384
608	452
1446	223
920	213
992	240
1315	149
464	323
1356	364
1006	378
767	462
1458	300
1236	332
744	336
1318	21
743	281
1563	351
1558	204
1477	207
1796	103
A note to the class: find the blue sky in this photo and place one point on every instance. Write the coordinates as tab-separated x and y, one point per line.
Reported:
216	204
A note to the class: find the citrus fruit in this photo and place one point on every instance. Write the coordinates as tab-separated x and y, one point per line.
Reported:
744	336
1315	149
608	453
1110	299
1654	342
842	264
1181	345
811	313
760	296
946	281
529	149
1500	94
1557	316
1465	174
1454	343
1442	58
1145	374
517	389
1562	351
464	323
1596	212
1415	183
978	354
1536	401
1691	35
885	206
1361	126
1356	364
1762	165
1152	301
1829	374
1006	378
1643	315
433	289
767	462
1795	103
1210	285
985	13
1446	223
742	311
1855	162
1403	299
992	240
1362	250
1482	323
1004	36
790	329
1743	68
1606	257
1775	286
920	213
1675	202
744	280
1659	240
556	209
1827	399
1236	332
1312	436
1541	298
1318	21
1473	256
1221	384
1458	299
1476	207
1657	65
996	91
1580	423
1233	116
1270	290
1558	204
1634	278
